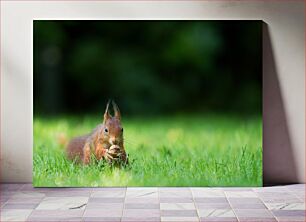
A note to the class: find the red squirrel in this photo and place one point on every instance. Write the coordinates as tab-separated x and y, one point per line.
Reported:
104	142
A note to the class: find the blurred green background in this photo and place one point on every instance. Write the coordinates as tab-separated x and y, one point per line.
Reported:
148	67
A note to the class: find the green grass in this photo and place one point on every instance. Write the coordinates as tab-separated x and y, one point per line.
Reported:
210	150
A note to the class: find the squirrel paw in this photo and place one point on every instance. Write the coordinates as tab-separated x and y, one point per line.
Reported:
114	153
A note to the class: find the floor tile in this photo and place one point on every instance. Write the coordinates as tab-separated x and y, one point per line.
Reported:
6	194
289	213
142	200
291	219
210	200
63	189
278	189
299	194
57	213
207	192
184	189
108	188
62	203
25	198
3	200
213	205
176	200
142	213
109	206
140	219
27	187
178	219
275	194
218	219
235	188
280	200
178	213
141	192
2	204
301	187
141	206
103	213
106	200
15	214
177	206
109	193
10	186
240	194
253	213
20	206
251	219
273	197
216	213
26	194
102	219
246	200
175	193
19	201
285	206
248	206
68	194
30	200
54	219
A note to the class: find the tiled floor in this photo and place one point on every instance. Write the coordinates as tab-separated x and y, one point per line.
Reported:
22	202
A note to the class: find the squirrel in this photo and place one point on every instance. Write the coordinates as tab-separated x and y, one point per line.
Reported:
105	141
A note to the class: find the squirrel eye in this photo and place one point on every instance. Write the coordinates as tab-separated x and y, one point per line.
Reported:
122	130
106	130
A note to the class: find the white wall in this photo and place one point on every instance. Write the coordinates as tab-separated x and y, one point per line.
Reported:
284	64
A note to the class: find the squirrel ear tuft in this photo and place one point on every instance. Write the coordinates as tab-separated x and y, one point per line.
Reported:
116	110
106	113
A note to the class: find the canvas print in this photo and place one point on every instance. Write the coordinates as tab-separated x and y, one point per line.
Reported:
147	103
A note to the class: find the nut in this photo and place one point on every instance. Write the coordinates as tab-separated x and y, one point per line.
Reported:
114	150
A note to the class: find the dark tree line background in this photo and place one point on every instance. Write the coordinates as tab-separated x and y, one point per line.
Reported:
148	67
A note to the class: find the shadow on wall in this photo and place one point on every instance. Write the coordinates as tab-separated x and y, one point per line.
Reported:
278	160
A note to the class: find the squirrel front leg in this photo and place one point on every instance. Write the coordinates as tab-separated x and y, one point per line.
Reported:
87	153
124	157
100	151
